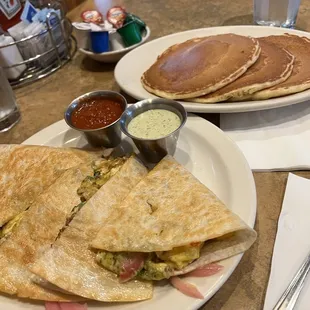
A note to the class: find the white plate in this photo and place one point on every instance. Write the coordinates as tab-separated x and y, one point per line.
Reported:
131	67
218	163
115	56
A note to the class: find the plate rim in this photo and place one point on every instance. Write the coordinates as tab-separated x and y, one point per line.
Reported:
60	127
224	107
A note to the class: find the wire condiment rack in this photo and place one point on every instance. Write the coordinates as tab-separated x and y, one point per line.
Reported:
61	48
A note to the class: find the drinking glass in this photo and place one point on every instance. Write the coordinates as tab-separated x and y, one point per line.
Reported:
278	13
9	112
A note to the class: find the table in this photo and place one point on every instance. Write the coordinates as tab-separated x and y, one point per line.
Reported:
44	102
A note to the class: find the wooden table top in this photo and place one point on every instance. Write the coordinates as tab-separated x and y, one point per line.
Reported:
44	102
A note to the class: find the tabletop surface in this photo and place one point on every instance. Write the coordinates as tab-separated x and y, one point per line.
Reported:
44	102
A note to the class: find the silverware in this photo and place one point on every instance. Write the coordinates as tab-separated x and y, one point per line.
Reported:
290	296
108	136
153	150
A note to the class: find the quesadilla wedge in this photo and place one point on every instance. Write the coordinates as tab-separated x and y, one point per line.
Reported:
70	263
27	171
169	224
44	222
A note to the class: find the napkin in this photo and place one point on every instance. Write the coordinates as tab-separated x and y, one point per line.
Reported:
276	139
292	243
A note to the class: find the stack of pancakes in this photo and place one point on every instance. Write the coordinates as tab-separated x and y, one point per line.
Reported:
230	67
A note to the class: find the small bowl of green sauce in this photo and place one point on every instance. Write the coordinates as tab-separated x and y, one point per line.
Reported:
154	125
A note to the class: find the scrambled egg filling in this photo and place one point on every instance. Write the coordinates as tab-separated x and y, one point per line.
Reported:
74	211
158	265
155	270
181	256
111	261
103	171
7	228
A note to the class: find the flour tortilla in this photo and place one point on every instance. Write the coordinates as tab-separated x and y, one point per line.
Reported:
70	264
200	65
171	208
273	66
36	232
27	171
299	80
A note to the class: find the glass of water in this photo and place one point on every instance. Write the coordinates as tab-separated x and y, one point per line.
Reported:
9	112
278	13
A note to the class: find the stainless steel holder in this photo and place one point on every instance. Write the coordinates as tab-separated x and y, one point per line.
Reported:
63	47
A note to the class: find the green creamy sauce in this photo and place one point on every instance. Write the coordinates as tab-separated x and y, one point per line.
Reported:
154	124
157	266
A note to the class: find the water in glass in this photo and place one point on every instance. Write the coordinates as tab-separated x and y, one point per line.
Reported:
278	13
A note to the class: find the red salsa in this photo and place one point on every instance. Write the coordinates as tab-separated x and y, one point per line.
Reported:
96	112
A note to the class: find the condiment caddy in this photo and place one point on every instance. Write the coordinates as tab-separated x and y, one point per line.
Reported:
39	44
117	32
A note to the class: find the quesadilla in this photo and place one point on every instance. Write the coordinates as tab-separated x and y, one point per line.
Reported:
299	80
169	224
44	222
26	171
200	66
273	66
70	263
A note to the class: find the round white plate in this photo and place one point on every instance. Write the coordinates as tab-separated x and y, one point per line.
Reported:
131	67
115	56
218	163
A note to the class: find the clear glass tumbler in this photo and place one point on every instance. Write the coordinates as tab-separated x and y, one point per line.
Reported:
9	112
278	13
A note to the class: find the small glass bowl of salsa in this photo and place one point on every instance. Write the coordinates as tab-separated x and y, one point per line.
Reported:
97	115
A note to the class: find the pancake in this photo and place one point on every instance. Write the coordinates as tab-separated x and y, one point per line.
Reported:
273	66
299	80
26	171
171	224
70	264
200	66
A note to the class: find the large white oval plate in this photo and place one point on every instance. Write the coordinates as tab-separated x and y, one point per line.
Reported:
131	67
217	162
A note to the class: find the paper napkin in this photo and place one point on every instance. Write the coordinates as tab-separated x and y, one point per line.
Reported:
276	139
292	243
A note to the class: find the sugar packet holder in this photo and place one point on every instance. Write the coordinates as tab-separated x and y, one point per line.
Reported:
38	40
